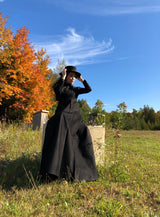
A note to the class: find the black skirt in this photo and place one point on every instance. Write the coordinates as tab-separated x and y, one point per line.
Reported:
68	150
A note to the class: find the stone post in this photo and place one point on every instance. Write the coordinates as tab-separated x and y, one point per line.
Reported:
98	139
39	119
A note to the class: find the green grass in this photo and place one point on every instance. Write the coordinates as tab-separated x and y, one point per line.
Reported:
128	183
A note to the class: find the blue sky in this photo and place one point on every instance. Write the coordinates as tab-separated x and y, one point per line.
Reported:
115	44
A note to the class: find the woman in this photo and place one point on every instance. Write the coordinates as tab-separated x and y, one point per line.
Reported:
67	150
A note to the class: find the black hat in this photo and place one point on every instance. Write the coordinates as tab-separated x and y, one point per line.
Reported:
72	69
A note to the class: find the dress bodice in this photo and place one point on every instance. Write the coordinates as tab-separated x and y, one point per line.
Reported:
67	95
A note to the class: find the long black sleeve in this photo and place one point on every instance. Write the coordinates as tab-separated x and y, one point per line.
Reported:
85	89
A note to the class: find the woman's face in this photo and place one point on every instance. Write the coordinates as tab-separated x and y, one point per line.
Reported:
70	78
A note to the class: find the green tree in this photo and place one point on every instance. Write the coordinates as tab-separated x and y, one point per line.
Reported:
122	122
85	110
136	125
144	125
157	121
114	118
147	116
98	108
98	113
108	123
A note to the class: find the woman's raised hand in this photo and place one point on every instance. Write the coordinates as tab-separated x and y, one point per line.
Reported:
80	79
64	73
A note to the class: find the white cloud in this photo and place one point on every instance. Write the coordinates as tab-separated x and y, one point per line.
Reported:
77	49
109	7
1	0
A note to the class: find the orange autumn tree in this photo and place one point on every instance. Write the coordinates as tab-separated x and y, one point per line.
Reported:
5	59
41	94
17	75
25	77
21	72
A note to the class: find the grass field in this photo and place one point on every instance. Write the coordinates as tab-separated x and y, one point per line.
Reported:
128	183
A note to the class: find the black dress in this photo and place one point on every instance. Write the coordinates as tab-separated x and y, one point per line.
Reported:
68	150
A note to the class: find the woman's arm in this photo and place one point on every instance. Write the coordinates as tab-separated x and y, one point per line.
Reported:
85	89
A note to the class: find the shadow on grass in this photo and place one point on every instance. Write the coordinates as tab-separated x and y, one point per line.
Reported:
22	172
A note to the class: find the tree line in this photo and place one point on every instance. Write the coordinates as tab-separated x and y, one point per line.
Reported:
143	119
26	87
